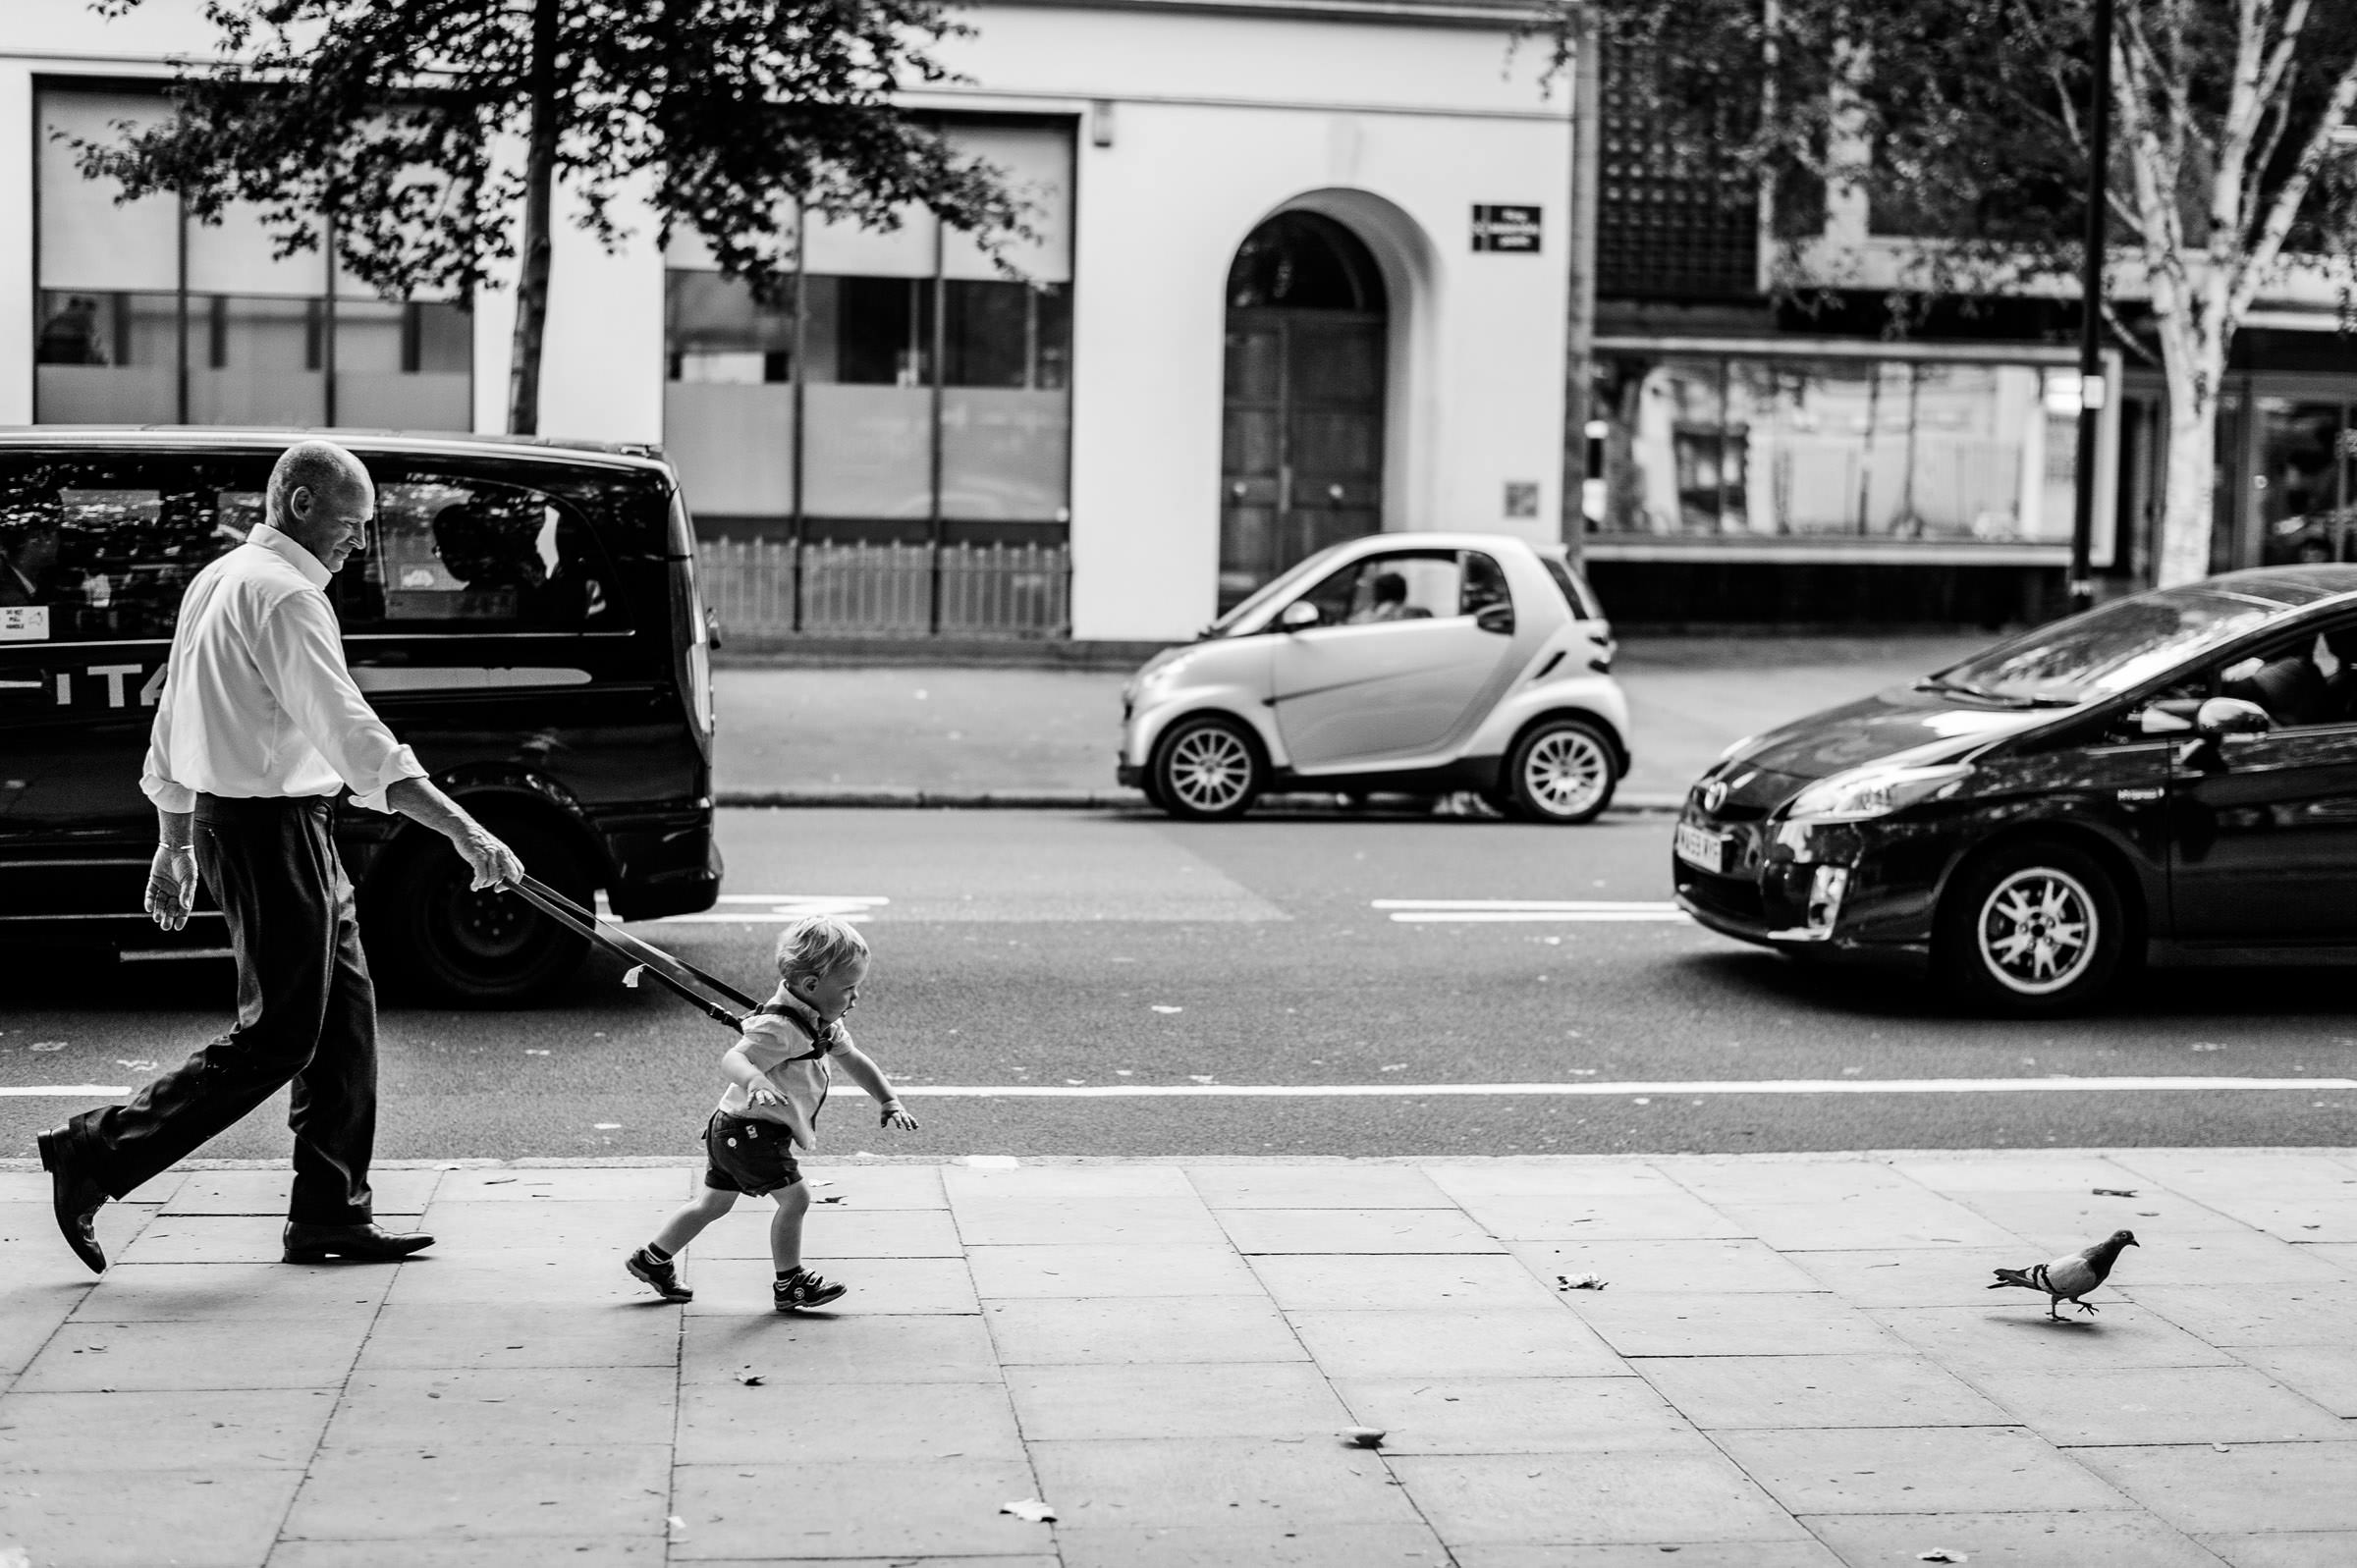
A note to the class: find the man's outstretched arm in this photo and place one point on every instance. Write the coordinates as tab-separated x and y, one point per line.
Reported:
493	863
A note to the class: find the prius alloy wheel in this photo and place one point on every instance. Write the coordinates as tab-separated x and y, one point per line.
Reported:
1208	769
2031	929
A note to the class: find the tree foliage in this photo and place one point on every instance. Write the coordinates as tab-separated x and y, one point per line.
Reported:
406	124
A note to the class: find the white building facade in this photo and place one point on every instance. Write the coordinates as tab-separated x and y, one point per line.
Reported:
1272	302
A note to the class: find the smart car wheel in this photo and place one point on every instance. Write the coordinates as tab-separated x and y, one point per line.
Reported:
2031	929
1207	769
1562	771
446	942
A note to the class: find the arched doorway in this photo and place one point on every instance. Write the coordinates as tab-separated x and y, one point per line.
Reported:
1301	445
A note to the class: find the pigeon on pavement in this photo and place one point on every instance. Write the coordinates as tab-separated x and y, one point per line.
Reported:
2071	1277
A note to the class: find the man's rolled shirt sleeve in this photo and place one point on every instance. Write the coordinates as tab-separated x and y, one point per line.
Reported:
155	776
302	658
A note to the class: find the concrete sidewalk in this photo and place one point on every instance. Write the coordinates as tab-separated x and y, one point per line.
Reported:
1794	1363
968	735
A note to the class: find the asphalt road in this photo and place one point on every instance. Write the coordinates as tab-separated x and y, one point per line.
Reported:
1096	950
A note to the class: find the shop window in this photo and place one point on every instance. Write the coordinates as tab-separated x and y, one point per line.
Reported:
902	382
2302	499
147	316
467	556
1864	449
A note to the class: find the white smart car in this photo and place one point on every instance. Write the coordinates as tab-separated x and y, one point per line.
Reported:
1400	663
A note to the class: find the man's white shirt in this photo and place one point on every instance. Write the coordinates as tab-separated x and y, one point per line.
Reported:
257	701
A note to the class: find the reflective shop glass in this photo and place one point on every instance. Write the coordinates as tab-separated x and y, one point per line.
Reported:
1876	448
148	317
908	377
2305	492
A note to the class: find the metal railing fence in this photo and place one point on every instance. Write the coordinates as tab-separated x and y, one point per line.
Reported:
761	590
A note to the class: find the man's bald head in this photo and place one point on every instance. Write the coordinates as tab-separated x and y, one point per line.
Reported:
321	497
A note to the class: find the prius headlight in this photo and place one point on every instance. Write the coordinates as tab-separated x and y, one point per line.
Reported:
1875	790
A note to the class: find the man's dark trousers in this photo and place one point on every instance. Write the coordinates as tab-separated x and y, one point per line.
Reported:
306	1011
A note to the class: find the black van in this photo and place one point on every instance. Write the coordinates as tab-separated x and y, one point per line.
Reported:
524	615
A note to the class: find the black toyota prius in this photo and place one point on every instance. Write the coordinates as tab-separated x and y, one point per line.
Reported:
2170	779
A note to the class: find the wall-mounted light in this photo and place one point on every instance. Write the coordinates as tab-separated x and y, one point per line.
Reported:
1100	123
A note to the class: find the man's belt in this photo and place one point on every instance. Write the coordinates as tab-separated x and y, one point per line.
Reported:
716	999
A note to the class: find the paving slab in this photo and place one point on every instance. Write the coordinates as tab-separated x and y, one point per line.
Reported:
213	1518
2325	1374
2335	1548
163	1357
1870	1220
632	1333
1740	1323
264	1191
1728	1393
890	1509
966	1184
1009	1272
2149	1405
786	1420
482	1490
874	1186
574	1551
886	1285
1254	1482
588	1225
2013	1539
1355	1230
1630	1555
239	1291
1141	1328
1467	1181
433	1410
2067	1221
833	1231
2307	1313
1910	1276
1516	1415
851	1348
569	1184
1318	1186
1956	1175
134	1433
1203	1400
2021	1334
1458	1343
1411	1282
1917	1470
1734	1179
1101	1222
1667	1215
2255	1488
515	1276
1328	1545
1631	1496
1661	1266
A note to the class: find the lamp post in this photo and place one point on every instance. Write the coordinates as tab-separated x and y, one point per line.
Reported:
1579	247
2094	394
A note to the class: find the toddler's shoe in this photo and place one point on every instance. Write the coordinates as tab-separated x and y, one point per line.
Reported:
663	1275
805	1289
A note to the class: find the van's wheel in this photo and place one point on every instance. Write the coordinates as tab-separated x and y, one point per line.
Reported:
1208	769
1562	771
437	938
2031	929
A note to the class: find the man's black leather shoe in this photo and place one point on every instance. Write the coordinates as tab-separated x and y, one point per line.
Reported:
369	1243
75	1198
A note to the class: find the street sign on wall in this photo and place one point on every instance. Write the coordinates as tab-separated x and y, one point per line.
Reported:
1510	229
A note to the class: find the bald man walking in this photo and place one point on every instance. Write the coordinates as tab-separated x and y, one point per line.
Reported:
258	730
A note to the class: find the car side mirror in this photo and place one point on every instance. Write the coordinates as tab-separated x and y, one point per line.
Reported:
2221	717
1495	618
1299	615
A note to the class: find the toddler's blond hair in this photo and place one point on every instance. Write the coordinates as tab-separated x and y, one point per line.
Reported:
816	945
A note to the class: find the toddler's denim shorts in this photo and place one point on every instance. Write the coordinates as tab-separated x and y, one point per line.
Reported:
747	1154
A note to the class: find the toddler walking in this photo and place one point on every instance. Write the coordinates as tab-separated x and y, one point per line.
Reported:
776	1082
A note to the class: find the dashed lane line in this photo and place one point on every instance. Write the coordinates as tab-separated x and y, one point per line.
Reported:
75	1091
1530	911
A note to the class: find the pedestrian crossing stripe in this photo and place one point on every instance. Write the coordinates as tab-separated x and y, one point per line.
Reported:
1594	1090
1529	911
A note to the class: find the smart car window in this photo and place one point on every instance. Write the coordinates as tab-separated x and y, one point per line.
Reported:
102	550
462	555
1485	584
1400	585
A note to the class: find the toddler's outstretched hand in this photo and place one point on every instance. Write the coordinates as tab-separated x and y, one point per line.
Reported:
895	1116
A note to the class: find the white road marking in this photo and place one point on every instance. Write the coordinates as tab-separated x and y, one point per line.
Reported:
75	1091
1591	1091
1523	911
769	908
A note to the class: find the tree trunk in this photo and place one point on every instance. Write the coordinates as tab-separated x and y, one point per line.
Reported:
540	181
2195	361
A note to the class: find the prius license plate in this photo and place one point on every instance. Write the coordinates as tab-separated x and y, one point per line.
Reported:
1702	848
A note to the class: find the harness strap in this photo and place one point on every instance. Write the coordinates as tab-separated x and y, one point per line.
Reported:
716	999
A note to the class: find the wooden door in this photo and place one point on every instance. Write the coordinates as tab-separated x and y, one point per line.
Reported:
1302	439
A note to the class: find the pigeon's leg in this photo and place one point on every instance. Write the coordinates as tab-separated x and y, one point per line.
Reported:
2082	1306
2053	1311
